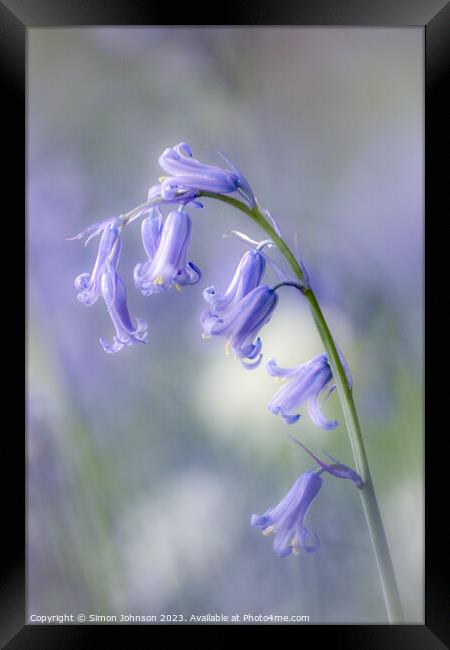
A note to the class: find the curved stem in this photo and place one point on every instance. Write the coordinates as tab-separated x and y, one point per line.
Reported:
367	492
263	222
286	283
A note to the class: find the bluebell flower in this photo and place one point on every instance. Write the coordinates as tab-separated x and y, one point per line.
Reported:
286	519
89	284
104	281
246	278
114	294
189	175
241	322
166	246
304	383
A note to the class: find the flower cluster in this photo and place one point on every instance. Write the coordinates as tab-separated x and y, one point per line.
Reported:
166	243
238	314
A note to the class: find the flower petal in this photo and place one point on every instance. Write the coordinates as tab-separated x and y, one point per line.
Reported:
260	521
303	537
151	232
317	416
277	371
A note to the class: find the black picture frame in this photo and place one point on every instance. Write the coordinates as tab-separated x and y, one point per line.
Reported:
16	17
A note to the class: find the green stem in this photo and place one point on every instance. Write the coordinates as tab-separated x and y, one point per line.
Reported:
367	492
262	221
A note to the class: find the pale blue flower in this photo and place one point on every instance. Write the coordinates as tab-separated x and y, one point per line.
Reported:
241	322
286	520
188	175
104	281
166	245
305	383
88	284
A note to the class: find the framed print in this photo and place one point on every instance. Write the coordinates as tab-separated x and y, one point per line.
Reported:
260	185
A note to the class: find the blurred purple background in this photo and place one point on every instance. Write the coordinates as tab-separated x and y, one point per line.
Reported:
144	467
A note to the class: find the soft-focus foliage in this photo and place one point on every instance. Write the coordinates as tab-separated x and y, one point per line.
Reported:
144	467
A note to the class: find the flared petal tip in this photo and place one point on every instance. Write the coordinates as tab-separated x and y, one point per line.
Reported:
87	300
116	346
283	552
272	368
183	148
289	419
252	365
194	273
209	294
260	521
275	371
310	548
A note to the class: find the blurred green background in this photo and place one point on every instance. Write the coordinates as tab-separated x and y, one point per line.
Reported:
144	467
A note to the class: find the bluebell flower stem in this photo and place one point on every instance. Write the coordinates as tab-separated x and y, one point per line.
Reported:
367	492
264	223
